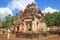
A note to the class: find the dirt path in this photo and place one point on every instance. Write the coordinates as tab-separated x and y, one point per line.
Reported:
50	37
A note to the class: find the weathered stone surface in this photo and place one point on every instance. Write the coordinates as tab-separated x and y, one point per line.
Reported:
30	20
0	23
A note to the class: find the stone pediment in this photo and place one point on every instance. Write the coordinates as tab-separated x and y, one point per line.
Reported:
27	16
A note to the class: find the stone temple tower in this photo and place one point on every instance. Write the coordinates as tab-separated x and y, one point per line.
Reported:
31	20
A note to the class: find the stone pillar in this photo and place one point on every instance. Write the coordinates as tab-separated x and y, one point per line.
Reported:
33	25
38	25
45	26
8	34
20	27
1	31
15	28
25	29
48	29
12	28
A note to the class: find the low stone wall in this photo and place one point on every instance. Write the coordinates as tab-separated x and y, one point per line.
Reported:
3	31
27	35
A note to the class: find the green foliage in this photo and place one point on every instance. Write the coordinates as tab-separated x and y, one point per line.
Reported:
8	19
53	18
4	23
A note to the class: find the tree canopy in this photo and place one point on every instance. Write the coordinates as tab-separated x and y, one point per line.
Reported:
8	20
53	18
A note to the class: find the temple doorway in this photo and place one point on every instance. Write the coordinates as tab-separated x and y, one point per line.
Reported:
29	26
17	28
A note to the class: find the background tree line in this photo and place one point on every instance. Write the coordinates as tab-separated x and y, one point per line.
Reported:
53	19
8	20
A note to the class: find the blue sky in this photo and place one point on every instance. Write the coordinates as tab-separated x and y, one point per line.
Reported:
14	6
41	3
48	3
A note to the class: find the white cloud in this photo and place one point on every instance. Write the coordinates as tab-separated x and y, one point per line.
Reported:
4	12
19	4
14	4
50	10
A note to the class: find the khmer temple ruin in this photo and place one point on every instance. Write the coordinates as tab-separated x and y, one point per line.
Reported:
31	20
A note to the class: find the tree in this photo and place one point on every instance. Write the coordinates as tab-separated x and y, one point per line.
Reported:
53	18
8	20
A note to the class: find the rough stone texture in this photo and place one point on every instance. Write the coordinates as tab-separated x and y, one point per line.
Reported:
30	20
0	23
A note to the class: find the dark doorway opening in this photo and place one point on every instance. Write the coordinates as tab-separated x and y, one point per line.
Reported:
30	27
18	28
